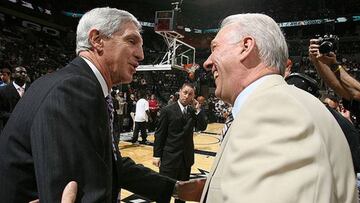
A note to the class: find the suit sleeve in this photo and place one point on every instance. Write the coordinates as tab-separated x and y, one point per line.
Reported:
69	138
4	105
201	123
145	182
161	133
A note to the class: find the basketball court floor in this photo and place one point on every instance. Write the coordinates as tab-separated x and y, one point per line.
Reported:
206	145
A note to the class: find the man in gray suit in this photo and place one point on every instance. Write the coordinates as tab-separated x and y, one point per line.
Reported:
283	145
60	130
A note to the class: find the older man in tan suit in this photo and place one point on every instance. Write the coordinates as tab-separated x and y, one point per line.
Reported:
283	146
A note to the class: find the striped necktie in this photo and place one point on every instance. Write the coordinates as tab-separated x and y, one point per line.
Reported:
110	107
227	125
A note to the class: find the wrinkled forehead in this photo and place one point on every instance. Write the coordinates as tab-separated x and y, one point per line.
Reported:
129	28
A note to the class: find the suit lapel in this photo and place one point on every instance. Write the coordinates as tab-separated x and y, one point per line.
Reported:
214	166
13	91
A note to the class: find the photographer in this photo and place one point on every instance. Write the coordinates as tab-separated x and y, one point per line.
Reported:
333	74
336	77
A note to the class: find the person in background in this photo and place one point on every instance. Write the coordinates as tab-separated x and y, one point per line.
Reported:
121	110
263	148
5	76
154	109
142	116
174	143
12	93
334	75
132	109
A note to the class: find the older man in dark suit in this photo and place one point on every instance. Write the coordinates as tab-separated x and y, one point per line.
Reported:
60	130
174	144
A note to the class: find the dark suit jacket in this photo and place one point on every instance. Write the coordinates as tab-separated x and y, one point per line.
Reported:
9	97
59	132
174	136
352	136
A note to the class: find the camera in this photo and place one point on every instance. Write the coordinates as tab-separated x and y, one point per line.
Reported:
328	43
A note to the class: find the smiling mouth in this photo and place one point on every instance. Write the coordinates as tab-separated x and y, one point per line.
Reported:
215	74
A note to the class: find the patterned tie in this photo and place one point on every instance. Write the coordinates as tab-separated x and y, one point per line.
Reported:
184	111
227	125
110	107
21	91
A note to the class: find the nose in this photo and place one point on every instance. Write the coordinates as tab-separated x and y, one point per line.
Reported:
139	54
208	64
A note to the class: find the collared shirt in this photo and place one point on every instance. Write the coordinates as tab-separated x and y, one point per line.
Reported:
17	87
240	99
181	106
197	111
98	76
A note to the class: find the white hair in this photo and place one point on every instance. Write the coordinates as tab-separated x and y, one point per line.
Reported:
270	41
106	20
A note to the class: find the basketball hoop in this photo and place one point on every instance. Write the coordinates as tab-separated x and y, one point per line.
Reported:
191	67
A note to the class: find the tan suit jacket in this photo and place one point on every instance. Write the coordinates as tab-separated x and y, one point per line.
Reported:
284	146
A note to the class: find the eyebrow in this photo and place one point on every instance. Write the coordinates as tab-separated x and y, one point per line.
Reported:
134	36
212	44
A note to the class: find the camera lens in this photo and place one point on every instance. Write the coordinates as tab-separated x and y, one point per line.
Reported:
326	47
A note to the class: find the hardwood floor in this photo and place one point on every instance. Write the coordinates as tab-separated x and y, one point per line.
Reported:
206	146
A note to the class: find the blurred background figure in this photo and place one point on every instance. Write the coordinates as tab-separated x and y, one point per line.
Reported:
12	92
5	76
154	107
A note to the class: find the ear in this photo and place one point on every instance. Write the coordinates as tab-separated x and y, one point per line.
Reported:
96	40
248	45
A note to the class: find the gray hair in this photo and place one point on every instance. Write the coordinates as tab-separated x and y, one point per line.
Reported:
270	41
106	20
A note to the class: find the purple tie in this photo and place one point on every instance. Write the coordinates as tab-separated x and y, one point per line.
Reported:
110	108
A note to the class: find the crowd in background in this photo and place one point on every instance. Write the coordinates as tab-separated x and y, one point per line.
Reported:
41	53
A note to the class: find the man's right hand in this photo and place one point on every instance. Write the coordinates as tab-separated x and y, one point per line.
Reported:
156	162
69	193
190	190
315	55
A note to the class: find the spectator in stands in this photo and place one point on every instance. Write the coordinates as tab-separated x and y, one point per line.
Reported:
142	116
131	103
61	129
11	93
154	109
262	149
121	110
116	117
5	76
174	142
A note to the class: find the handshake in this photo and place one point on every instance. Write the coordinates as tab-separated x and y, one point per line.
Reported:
190	190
